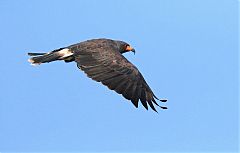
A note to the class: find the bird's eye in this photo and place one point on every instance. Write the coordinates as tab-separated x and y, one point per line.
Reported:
127	46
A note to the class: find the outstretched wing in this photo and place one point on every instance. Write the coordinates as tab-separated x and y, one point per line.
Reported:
112	69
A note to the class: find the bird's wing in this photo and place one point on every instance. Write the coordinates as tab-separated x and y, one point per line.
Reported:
113	70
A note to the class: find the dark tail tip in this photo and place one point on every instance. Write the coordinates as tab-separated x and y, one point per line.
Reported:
36	60
35	54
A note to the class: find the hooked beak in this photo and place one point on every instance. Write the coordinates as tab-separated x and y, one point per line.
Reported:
130	49
133	50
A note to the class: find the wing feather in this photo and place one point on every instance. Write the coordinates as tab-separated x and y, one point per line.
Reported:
143	98
108	66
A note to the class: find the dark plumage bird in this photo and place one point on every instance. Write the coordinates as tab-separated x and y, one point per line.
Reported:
102	60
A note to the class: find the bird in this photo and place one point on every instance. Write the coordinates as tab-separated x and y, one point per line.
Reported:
102	60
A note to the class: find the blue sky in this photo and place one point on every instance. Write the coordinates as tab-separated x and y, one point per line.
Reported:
186	50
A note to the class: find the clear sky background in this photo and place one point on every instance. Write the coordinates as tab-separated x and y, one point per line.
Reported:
187	51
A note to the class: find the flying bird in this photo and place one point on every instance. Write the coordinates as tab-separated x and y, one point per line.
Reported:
102	61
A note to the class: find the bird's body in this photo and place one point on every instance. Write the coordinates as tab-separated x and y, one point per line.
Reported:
102	60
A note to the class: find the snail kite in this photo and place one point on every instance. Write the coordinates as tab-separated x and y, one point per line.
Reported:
102	60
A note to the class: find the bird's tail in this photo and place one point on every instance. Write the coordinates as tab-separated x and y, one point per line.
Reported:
59	54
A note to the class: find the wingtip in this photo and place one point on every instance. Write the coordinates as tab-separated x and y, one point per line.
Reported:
163	107
163	100
135	103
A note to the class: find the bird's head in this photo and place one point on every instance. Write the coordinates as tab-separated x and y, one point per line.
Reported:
124	47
